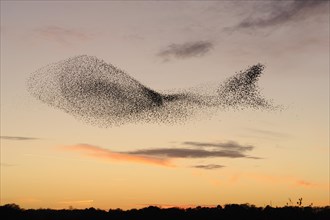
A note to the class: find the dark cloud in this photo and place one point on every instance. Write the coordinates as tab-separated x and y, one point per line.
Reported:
187	153
229	149
229	145
186	50
209	166
190	153
18	138
281	12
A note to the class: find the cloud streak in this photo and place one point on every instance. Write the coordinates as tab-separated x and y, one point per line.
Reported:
190	153
275	179
18	138
62	35
165	156
281	12
229	145
209	166
229	149
105	154
186	50
304	183
7	165
269	133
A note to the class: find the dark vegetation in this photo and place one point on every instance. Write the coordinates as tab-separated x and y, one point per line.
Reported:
231	211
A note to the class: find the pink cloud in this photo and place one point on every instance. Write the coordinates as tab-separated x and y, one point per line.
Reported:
105	154
305	183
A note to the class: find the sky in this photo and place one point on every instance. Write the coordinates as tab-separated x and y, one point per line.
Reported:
49	159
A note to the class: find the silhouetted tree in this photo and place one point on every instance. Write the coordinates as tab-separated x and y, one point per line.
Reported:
228	212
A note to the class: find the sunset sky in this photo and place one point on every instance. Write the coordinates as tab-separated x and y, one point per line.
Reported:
51	160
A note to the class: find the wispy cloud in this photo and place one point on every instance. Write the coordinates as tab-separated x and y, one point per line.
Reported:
305	183
18	138
281	12
229	149
186	50
209	166
190	153
102	153
275	179
269	133
232	145
165	156
62	35
7	165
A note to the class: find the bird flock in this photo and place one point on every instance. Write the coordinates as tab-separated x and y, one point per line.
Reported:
101	94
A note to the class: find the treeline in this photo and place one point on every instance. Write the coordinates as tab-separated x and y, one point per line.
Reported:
231	211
